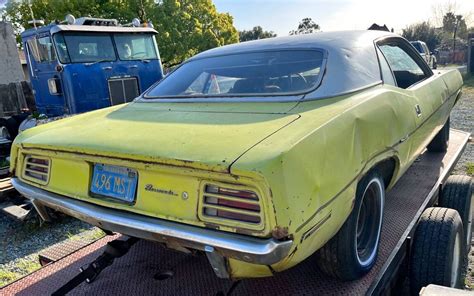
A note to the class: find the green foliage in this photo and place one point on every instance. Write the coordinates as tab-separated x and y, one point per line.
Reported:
306	26
470	168
423	32
452	23
185	27
255	34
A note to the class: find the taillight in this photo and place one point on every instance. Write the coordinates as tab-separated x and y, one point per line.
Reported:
36	169
231	204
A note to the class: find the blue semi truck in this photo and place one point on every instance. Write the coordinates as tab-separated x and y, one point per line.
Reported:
89	63
78	66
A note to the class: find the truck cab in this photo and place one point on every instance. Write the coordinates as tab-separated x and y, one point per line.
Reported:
89	64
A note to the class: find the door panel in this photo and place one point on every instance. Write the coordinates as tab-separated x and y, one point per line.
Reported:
43	62
425	93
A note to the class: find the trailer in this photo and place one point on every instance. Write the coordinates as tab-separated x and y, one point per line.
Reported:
149	268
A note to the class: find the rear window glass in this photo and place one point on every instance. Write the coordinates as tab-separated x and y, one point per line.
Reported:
246	74
418	47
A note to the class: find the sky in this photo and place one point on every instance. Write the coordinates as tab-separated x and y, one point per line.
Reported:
282	16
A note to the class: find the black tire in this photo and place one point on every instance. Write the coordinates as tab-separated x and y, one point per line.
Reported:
457	195
440	141
437	251
352	252
12	126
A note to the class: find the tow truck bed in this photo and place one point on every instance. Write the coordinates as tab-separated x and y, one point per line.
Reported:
135	273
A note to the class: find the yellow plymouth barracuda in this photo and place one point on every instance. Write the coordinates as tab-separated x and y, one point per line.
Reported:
258	154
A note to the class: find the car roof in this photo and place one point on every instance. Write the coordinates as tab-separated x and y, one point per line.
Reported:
351	64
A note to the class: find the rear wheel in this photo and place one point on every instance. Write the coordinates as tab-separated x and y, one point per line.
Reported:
440	141
438	250
352	252
457	195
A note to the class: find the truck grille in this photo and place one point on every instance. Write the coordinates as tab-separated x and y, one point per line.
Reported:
231	204
123	90
37	169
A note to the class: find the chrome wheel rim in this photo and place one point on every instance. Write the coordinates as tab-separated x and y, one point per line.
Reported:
369	222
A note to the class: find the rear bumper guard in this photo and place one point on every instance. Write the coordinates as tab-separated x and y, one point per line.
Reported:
215	243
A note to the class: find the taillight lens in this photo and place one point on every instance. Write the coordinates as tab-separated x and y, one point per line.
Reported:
231	204
36	169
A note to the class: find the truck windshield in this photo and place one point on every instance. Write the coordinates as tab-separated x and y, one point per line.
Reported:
81	47
266	73
135	46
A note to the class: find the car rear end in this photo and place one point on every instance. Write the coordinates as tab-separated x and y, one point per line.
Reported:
223	215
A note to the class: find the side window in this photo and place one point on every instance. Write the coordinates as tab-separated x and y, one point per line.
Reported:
405	69
61	48
42	49
387	75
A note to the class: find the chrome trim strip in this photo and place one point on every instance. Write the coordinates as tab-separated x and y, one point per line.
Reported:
249	249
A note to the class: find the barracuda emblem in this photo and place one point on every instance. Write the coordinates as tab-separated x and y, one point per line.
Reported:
149	187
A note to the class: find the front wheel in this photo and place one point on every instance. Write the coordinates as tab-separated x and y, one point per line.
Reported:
440	141
352	252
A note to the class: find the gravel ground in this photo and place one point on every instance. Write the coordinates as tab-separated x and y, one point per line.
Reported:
20	242
462	118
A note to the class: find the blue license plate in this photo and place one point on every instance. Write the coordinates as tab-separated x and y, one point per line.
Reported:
115	182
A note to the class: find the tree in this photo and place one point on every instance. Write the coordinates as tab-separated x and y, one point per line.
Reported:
424	32
255	34
306	26
185	27
452	23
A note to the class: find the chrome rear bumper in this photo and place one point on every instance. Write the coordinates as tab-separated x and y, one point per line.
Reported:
213	242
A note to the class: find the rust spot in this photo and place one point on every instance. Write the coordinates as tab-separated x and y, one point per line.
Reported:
212	226
245	231
280	232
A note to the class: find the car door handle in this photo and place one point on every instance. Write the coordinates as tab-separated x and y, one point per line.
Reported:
133	67
107	68
418	110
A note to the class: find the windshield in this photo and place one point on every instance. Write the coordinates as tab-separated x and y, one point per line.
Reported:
79	47
135	46
84	47
246	74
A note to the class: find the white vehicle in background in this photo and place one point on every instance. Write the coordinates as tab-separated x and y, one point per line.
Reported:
425	53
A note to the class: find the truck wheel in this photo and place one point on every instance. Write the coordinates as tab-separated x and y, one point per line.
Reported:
438	250
457	195
440	141
352	252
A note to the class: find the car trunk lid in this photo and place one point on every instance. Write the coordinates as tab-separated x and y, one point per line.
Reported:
209	138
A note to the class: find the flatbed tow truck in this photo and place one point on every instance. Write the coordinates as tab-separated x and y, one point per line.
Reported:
148	268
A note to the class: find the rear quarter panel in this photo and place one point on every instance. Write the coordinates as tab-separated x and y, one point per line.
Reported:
313	165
